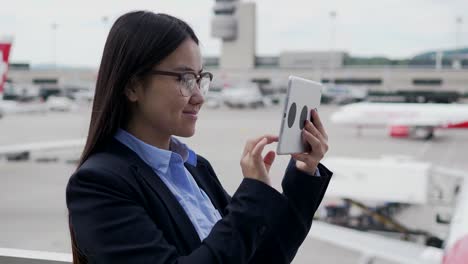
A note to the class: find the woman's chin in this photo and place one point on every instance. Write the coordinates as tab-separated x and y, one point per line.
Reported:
186	132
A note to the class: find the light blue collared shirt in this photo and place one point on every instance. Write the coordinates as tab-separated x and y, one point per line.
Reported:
169	166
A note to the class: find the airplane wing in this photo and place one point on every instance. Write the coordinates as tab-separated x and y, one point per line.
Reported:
374	246
42	146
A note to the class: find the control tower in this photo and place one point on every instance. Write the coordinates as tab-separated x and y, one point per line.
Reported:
234	22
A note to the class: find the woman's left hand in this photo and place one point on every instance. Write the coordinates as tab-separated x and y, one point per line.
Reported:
315	136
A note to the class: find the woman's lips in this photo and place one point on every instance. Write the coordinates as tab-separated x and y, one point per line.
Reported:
191	114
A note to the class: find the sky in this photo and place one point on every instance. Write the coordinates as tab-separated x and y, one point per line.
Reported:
391	28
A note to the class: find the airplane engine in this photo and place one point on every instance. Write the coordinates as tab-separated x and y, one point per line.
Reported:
412	132
423	132
399	131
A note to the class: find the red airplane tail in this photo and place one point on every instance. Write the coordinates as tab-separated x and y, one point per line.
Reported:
5	47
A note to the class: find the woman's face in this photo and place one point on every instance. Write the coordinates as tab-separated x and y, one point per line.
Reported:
158	105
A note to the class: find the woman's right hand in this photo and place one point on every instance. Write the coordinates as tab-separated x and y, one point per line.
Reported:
253	164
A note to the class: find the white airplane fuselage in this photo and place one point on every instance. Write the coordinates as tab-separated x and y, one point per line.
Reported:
403	118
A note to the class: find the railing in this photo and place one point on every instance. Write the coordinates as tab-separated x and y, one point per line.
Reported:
20	256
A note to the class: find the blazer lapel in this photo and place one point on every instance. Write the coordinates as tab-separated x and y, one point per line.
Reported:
173	206
177	212
203	184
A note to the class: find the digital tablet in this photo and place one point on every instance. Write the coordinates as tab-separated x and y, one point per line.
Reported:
302	96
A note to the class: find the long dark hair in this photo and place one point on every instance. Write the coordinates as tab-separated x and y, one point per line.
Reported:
136	43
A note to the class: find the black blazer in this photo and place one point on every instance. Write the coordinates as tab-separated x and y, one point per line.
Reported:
122	212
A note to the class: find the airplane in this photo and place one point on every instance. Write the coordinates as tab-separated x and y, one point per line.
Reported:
404	120
5	47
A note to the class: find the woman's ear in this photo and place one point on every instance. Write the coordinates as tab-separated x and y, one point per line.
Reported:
131	91
131	94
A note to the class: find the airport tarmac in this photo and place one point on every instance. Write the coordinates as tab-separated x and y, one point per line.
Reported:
32	194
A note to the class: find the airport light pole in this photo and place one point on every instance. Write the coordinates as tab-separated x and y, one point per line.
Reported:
456	63
458	24
105	25
332	44
54	27
105	21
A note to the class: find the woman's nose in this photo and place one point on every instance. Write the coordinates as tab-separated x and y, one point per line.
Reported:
197	97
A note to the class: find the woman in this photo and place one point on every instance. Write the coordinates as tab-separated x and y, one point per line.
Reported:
141	196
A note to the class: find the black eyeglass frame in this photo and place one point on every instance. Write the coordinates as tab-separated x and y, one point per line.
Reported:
180	75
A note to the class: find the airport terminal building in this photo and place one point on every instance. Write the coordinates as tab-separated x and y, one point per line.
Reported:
234	22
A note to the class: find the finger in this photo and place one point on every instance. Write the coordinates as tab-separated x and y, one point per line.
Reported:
318	123
271	138
317	134
314	131
313	141
268	159
252	142
257	150
246	149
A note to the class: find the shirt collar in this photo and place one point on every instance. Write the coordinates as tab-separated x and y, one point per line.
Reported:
188	155
158	159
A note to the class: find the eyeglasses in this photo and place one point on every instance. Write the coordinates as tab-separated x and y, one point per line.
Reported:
188	81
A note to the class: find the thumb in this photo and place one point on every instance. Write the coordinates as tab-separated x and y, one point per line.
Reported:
268	159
